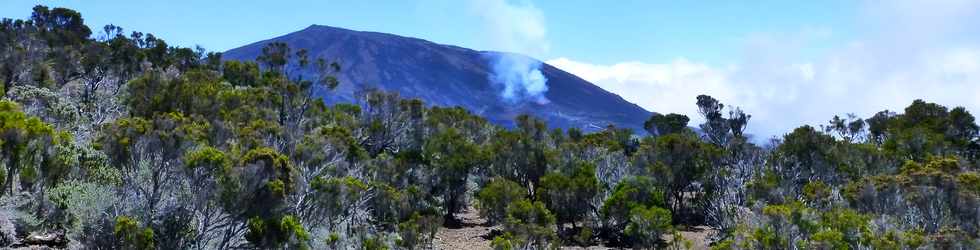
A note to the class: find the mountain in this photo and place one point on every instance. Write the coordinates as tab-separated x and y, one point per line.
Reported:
447	75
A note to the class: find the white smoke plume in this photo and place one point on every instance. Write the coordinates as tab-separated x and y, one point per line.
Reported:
515	28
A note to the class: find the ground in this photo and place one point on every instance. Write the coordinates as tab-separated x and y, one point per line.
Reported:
697	237
476	234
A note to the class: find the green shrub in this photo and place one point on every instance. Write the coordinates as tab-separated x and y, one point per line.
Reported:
373	243
768	239
629	194
130	235
504	242
816	191
418	231
530	224
285	232
493	199
569	195
646	225
584	236
829	239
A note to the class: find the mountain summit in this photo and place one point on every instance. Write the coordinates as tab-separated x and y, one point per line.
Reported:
447	75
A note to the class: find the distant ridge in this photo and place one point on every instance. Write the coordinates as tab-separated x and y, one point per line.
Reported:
447	75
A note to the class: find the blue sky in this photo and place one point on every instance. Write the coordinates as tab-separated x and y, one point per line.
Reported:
786	62
588	30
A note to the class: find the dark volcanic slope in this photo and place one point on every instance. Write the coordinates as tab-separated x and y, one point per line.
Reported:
447	75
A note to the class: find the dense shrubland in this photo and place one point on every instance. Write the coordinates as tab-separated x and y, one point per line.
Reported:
124	142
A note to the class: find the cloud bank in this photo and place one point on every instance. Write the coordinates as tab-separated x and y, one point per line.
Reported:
908	50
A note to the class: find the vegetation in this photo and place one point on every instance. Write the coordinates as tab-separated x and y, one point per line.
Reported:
122	141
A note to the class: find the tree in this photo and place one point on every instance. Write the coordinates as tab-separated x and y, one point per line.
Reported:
453	157
522	156
241	73
715	126
387	121
633	192
806	155
878	125
494	198
528	226
130	235
680	164
659	124
738	121
274	57
849	129
29	147
60	26
418	231
964	132
568	195
95	69
646	226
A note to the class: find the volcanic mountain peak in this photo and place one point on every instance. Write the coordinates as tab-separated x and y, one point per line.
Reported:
447	75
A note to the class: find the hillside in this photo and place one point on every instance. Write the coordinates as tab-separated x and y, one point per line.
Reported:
446	75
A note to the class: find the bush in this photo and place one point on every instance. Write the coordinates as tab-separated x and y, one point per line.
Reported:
373	243
829	239
631	193
529	225
286	232
493	199
504	242
418	231
129	235
646	225
569	195
584	236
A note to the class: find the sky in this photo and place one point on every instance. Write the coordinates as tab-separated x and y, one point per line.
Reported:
787	63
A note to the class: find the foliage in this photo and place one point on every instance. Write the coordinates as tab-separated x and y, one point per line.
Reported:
564	194
496	196
646	225
636	209
452	158
659	124
680	165
418	231
130	235
528	224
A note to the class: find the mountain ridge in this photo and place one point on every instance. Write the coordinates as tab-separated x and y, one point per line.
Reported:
449	75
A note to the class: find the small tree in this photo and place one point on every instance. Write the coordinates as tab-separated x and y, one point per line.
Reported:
130	235
523	156
496	196
418	231
568	195
29	148
631	193
528	226
452	157
681	165
646	226
659	124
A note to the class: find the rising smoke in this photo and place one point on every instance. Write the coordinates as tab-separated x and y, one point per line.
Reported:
515	28
520	77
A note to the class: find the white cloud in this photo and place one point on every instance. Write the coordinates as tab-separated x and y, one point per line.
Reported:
906	50
669	87
782	92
